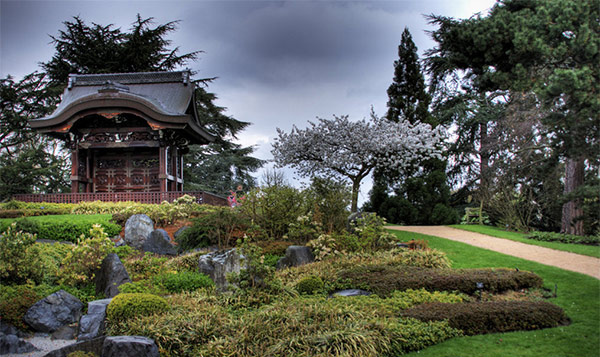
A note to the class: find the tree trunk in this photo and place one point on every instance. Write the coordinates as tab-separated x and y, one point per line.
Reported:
355	190
572	211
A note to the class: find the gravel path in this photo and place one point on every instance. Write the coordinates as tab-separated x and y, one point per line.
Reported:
44	343
564	260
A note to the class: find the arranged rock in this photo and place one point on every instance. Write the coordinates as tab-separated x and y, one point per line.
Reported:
137	229
92	324
94	346
179	231
64	333
350	292
13	344
218	264
296	255
159	242
54	311
129	346
111	275
7	329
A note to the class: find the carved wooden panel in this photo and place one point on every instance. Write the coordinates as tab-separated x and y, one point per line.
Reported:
126	171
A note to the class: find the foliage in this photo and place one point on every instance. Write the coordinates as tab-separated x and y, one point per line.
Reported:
126	306
425	258
310	285
139	287
328	201
182	281
488	317
15	302
220	226
185	262
383	279
303	230
325	246
274	208
145	267
17	213
274	247
80	265
564	238
257	275
13	253
81	354
352	149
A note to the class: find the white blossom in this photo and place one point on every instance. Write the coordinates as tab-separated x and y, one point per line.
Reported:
352	149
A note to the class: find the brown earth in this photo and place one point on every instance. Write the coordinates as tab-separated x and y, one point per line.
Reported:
564	260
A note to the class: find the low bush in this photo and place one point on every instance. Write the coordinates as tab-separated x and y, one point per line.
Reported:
564	238
82	262
185	262
430	258
274	247
15	261
310	285
477	318
384	279
125	306
81	354
140	287
146	266
184	281
221	226
14	303
17	213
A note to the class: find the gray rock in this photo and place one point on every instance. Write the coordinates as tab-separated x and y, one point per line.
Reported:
159	242
94	346
54	311
13	344
137	229
111	275
92	325
296	255
129	346
7	329
64	333
118	240
218	264
350	292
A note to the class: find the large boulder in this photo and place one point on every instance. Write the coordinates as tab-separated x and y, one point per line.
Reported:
54	311
111	275
92	324
13	344
296	255
129	346
94	346
137	229
218	264
159	242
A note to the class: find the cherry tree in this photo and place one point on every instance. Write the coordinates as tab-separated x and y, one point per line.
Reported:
348	149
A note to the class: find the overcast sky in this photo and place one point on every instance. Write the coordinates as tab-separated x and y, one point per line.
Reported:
278	63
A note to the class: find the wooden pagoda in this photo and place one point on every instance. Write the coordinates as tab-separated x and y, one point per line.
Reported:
127	132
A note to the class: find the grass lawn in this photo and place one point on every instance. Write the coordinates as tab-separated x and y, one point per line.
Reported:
578	295
590	250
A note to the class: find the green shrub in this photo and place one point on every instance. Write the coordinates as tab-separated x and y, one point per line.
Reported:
304	229
17	213
221	226
125	306
17	261
329	201
274	208
430	258
184	281
310	285
146	266
495	316
185	262
14	303
564	238
271	260
409	335
124	251
81	354
80	264
274	247
443	215
384	279
141	287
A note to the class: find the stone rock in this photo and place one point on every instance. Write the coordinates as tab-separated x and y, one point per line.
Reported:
92	324
137	229
111	275
13	344
350	292
54	311
218	264
64	333
129	346
118	240
94	346
296	255
159	242
7	329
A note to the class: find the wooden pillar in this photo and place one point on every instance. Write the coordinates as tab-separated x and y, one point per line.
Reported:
74	170
162	168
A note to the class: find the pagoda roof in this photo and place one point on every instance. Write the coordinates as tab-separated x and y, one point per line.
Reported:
164	99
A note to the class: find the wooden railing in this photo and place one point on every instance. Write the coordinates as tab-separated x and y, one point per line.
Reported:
141	197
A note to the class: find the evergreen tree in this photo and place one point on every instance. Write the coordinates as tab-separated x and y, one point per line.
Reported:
550	48
421	188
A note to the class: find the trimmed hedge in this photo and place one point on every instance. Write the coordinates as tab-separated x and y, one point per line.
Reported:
63	228
564	238
384	279
494	316
18	213
124	306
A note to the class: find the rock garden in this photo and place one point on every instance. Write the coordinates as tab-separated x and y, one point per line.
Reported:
286	273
